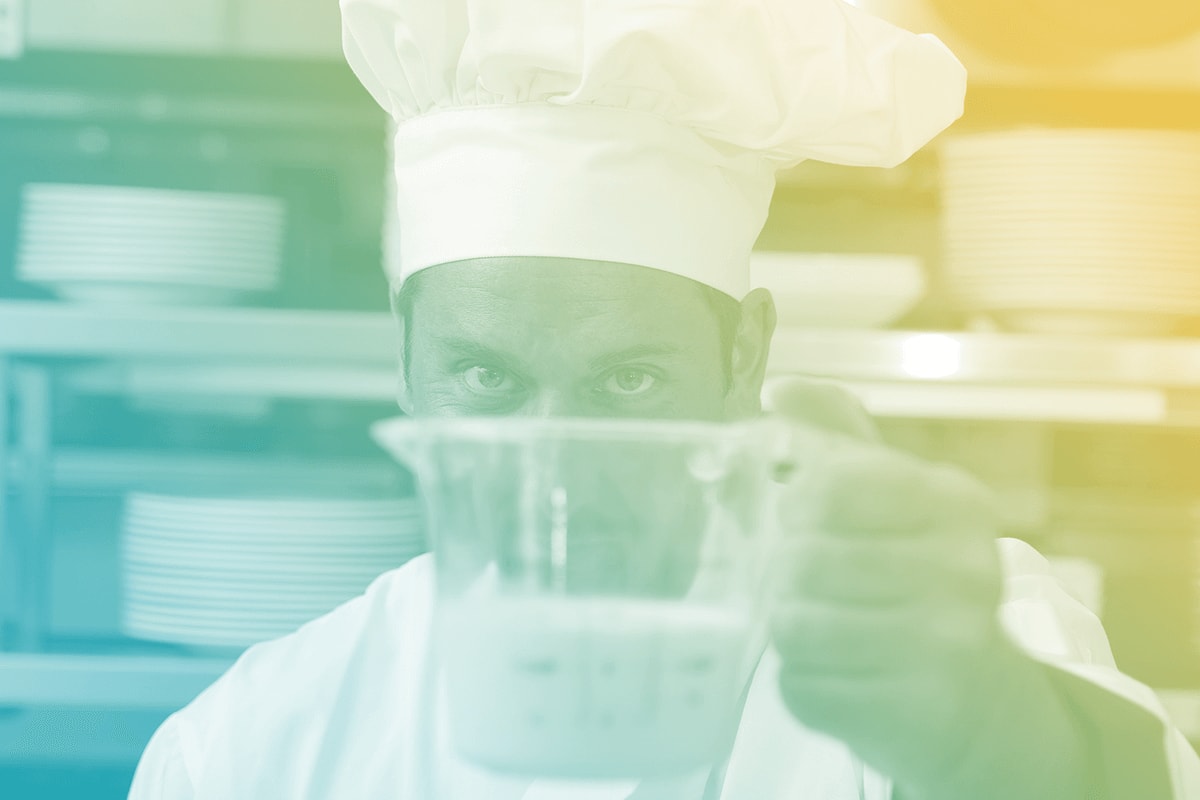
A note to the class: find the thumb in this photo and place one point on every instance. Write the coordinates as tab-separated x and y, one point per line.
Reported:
819	404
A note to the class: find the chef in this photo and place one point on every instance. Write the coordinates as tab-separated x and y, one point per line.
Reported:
577	189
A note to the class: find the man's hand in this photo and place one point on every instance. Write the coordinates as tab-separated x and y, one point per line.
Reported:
886	616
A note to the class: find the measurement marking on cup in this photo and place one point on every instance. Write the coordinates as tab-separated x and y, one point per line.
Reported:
699	665
543	666
558	538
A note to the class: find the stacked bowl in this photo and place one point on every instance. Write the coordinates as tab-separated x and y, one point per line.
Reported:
838	290
121	244
229	572
1074	231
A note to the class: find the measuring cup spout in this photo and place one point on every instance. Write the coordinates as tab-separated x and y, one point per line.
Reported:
403	440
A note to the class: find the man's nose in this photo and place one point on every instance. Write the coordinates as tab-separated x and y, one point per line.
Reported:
552	403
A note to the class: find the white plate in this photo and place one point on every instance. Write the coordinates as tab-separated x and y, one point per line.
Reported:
282	531
247	600
222	620
1004	211
234	606
213	584
298	584
276	506
115	272
181	252
268	516
213	620
1088	184
160	556
109	223
1170	276
160	561
219	629
998	214
129	220
141	559
1069	289
222	551
108	269
1126	144
200	635
1016	214
250	510
219	551
368	529
1072	304
1088	323
1131	189
143	295
153	197
1056	240
254	206
133	285
237	604
199	243
1057	297
1096	244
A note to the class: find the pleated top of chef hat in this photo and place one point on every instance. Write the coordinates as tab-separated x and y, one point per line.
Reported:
644	132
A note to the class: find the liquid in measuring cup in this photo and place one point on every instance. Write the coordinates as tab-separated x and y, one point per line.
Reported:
593	687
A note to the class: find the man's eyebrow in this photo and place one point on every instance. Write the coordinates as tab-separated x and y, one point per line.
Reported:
633	354
466	348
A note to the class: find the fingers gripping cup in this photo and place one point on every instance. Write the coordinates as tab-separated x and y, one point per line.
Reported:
600	586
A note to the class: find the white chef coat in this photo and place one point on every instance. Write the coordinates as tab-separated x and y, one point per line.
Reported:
338	710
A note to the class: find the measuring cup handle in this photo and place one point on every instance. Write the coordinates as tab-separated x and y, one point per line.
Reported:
819	404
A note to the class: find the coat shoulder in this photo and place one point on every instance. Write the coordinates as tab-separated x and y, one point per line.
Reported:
276	690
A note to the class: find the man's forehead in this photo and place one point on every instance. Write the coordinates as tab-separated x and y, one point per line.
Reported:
557	314
558	293
554	278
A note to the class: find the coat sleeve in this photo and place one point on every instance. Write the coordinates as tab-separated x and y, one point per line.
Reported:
1135	751
162	772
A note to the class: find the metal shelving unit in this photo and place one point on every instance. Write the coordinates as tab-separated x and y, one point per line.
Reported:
351	356
124	682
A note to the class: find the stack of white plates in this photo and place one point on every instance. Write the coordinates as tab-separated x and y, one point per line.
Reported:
838	290
230	572
1075	230
134	245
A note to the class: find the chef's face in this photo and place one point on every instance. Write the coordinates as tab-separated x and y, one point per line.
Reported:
585	339
540	337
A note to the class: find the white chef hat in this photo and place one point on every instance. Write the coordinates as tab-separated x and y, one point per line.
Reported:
645	132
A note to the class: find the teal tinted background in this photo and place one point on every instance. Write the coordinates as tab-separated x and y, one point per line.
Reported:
157	97
205	97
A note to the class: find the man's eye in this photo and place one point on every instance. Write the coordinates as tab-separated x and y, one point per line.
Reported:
487	380
629	382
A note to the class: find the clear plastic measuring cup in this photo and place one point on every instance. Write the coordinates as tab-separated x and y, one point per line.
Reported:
600	586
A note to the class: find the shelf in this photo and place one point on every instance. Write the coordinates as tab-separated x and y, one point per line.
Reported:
351	356
199	380
93	681
1025	403
166	471
976	358
357	340
233	90
55	739
36	328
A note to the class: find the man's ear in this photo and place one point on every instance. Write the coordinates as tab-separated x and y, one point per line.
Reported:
751	346
403	390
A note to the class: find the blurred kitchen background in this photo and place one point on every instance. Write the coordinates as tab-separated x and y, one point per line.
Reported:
194	335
